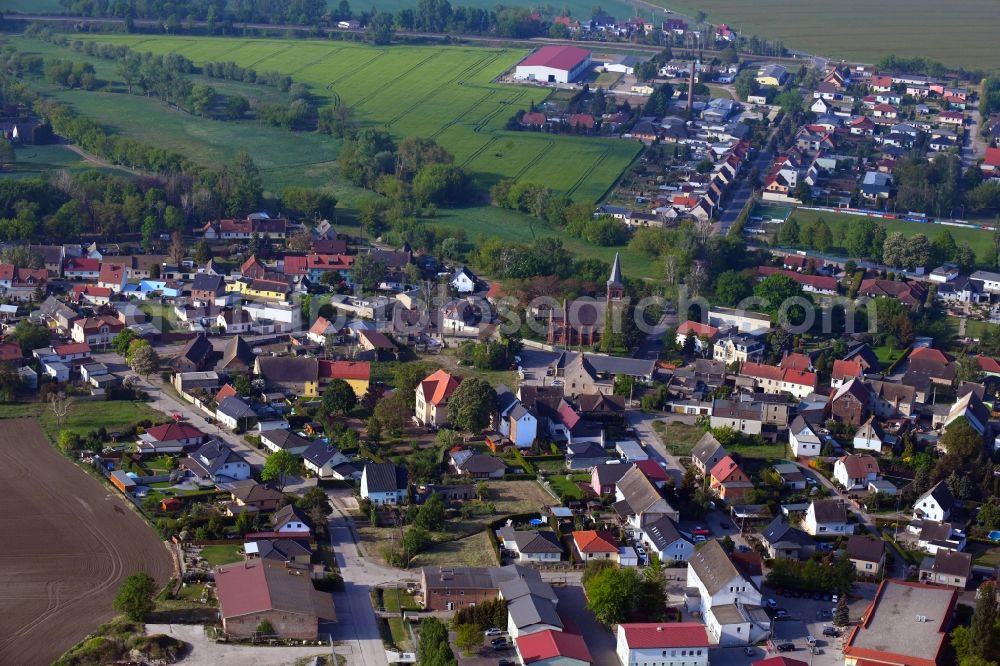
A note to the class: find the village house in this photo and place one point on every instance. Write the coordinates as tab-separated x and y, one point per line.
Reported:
867	554
218	462
22	284
432	396
249	495
639	501
322	458
854	472
595	545
662	644
604	478
96	331
804	439
781	539
936	504
947	567
257	590
728	598
384	483
280	439
707	452
728	481
662	537
174	437
827	517
530	545
772	379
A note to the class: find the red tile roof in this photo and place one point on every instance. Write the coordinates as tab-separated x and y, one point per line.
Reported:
72	348
859	465
439	386
581	120
725	468
345	370
992	157
533	118
550	644
930	354
81	264
762	371
823	282
319	326
846	369
698	329
987	364
665	634
226	391
652	470
557	57
169	432
114	273
9	352
595	541
796	361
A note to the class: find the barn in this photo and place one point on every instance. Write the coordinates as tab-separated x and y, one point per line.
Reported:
554	64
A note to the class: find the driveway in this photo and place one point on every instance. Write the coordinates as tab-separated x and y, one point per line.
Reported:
573	607
206	652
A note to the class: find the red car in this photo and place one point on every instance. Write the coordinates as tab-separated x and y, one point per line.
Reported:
700	531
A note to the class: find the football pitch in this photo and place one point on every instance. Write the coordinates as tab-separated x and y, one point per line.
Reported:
440	92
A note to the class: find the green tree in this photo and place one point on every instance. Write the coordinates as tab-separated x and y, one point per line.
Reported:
415	540
202	252
984	627
961	440
29	335
468	638
731	288
278	467
842	616
135	596
246	522
894	250
142	358
381	28
431	515
367	271
433	646
788	233
123	341
265	628
245	186
777	289
339	397
472	404
610	594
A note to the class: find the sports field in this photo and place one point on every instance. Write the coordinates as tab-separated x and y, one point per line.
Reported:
70	542
957	32
980	240
440	92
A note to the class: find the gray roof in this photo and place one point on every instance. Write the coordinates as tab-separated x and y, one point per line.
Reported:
608	474
286	514
281	549
237	349
532	609
213	455
285	439
207	282
616	272
235	408
319	452
638	491
611	365
891	627
942	494
779	531
468	578
586	450
829	511
952	563
481	463
662	532
713	566
865	548
289	369
530	541
707	448
384	477
522	586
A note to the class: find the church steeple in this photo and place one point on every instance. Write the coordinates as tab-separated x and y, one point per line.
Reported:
616	288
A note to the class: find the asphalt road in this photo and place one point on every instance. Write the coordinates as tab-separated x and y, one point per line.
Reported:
743	193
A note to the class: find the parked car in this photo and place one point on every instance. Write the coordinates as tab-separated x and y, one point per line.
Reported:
781	614
836	598
700	531
772	604
831	631
699	538
498	641
505	662
786	647
823	614
493	631
810	639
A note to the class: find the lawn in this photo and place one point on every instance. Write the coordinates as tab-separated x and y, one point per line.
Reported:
961	32
32	161
470	551
85	416
679	438
394	599
887	356
217	555
764	451
981	240
569	489
441	92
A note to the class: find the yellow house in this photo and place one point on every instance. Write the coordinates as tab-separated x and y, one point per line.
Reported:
291	374
357	374
236	286
772	75
269	290
642	90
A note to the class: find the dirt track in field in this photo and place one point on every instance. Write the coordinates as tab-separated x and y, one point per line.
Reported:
66	542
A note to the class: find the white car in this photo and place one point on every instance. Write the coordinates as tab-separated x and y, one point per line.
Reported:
493	632
699	538
557	382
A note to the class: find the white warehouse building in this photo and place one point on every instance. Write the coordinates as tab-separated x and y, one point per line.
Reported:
554	64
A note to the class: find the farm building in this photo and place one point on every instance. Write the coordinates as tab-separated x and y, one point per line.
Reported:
553	64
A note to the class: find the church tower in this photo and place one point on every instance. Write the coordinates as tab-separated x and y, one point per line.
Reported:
616	288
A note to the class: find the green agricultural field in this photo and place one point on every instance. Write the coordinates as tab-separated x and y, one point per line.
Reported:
981	240
958	33
580	9
441	92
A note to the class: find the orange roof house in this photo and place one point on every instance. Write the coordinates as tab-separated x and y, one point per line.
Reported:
432	397
595	545
728	480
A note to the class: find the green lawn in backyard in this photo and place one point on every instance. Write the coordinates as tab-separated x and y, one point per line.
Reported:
960	32
32	161
568	489
470	551
395	599
678	437
85	416
767	451
984	554
440	92
887	356
162	317
981	240
217	555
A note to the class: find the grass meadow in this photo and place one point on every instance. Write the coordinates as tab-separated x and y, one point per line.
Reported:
958	33
442	92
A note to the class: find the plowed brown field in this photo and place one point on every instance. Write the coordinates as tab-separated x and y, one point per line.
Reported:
66	543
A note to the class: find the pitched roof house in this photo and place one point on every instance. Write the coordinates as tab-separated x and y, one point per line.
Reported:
432	396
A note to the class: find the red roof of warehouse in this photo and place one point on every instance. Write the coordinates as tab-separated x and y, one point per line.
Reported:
556	57
551	644
664	635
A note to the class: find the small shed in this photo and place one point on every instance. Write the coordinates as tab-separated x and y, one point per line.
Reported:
170	504
122	481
